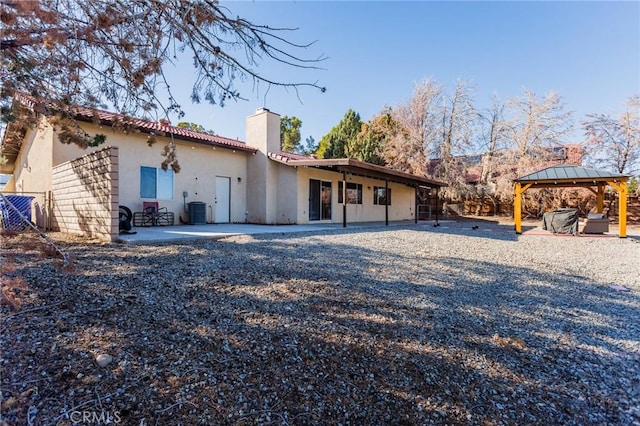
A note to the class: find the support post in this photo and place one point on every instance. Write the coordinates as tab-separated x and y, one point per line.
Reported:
48	210
600	198
344	199
415	204
517	205
622	214
386	202
621	187
517	208
437	208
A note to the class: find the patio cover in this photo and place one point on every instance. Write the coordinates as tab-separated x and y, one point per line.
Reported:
564	175
358	168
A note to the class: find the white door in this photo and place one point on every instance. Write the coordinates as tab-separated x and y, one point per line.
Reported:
222	200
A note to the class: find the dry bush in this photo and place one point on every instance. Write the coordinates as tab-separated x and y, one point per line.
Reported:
7	265
68	266
12	292
30	242
9	233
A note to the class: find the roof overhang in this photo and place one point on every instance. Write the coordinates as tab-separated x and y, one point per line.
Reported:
358	168
10	146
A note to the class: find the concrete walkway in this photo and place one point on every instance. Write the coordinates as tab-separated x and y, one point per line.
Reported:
216	231
158	234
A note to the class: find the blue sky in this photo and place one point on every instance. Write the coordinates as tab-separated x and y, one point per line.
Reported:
588	52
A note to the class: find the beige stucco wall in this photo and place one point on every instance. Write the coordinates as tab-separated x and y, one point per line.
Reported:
85	195
32	172
200	165
402	198
262	190
287	195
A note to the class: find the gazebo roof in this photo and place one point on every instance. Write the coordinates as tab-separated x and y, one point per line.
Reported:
566	173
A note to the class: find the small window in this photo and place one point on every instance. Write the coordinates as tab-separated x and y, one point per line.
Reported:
381	196
354	193
156	183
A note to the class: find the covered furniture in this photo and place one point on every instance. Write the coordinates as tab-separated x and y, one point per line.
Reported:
596	223
567	175
561	221
152	215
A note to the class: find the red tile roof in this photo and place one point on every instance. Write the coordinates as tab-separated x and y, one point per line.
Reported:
109	118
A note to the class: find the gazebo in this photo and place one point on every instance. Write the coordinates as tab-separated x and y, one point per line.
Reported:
564	175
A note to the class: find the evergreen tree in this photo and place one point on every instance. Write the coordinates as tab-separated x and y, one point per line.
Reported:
290	134
194	126
310	146
334	143
369	144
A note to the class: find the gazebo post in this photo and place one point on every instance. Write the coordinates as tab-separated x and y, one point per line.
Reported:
517	205
600	198
621	187
622	219
623	209
517	208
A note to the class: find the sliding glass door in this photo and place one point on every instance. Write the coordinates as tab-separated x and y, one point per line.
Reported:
319	200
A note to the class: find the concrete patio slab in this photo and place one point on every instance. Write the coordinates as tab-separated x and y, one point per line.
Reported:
217	231
158	234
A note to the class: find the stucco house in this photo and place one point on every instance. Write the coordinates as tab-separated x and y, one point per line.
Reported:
252	181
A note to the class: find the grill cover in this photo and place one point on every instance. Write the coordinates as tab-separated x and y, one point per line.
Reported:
561	221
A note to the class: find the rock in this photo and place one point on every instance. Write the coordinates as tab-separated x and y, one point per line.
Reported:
103	360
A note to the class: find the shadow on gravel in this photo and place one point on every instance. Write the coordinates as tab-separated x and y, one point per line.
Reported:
299	331
478	228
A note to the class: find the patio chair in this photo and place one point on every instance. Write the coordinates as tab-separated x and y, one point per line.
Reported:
153	215
595	223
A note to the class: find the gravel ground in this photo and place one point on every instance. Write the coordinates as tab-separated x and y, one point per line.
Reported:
415	325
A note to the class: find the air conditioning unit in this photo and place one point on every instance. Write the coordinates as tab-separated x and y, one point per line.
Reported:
197	213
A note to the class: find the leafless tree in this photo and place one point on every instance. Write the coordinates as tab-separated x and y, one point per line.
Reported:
65	53
494	134
615	143
457	119
408	148
539	124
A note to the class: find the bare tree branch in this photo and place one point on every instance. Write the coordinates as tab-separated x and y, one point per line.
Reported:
116	52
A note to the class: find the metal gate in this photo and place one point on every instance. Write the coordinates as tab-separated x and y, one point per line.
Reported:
424	212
